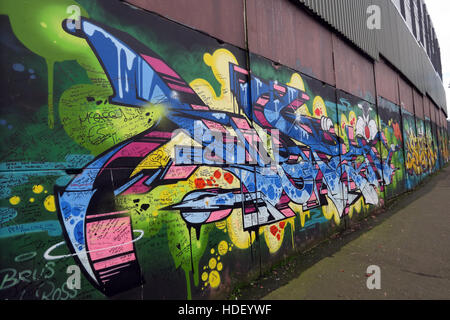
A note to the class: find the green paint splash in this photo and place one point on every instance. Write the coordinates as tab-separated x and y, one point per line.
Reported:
38	26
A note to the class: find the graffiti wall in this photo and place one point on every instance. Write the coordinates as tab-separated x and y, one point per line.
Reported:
431	151
422	150
360	150
390	120
443	141
413	163
156	162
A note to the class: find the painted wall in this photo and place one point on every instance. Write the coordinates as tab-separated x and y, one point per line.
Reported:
166	164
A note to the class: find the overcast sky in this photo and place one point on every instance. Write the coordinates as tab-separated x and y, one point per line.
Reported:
439	11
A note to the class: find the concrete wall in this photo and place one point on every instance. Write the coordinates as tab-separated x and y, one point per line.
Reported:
162	156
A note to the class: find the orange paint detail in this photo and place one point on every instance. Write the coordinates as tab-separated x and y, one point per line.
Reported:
397	131
318	112
199	183
273	230
367	132
228	177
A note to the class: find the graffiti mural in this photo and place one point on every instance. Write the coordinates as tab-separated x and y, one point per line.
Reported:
297	161
430	147
359	129
413	160
391	127
426	156
152	157
443	141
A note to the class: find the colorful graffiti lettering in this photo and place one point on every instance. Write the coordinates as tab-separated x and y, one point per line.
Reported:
421	156
308	170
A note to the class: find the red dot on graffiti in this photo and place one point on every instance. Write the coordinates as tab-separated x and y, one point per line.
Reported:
217	174
273	230
282	224
318	112
278	237
228	177
199	183
209	182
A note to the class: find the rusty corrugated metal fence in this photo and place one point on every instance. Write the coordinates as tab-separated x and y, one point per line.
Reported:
393	41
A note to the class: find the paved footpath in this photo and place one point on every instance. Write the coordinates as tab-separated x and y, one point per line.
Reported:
411	247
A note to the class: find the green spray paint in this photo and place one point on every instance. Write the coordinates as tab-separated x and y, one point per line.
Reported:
38	25
50	76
